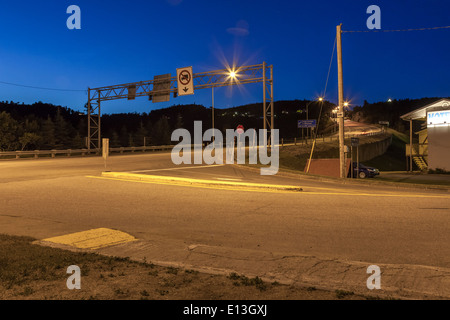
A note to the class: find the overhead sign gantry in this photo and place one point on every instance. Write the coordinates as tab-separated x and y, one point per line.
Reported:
185	83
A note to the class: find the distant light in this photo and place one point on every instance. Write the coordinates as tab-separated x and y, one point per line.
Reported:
345	104
320	99
232	74
389	100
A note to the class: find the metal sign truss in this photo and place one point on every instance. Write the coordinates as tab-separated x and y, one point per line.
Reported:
203	80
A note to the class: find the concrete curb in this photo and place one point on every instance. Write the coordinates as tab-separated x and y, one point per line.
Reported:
405	185
198	182
402	281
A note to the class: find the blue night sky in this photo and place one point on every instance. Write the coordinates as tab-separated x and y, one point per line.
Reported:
127	41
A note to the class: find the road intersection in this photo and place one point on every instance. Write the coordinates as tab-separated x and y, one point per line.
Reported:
325	235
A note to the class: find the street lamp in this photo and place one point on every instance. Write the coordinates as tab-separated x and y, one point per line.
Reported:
232	76
212	114
307	112
335	111
318	99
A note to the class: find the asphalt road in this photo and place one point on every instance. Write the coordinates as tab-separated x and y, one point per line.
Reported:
376	224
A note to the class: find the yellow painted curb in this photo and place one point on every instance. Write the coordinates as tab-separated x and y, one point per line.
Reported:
189	181
93	239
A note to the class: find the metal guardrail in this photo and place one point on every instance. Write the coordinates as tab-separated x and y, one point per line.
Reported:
82	152
328	138
368	134
121	150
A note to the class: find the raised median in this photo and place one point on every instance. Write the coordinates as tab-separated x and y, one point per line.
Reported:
199	182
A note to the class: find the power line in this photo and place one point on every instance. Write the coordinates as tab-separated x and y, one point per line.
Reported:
398	30
321	106
329	68
39	88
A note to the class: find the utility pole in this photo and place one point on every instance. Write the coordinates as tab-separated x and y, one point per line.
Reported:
212	115
342	164
410	145
307	118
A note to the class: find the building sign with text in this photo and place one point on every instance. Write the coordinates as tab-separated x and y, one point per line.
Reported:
441	117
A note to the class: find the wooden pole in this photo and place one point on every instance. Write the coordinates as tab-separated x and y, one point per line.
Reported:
410	145
341	102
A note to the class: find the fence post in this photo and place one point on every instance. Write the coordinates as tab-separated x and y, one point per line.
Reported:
36	154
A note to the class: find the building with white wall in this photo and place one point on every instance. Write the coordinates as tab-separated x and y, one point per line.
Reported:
433	149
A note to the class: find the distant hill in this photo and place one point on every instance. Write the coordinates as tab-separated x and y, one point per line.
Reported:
46	126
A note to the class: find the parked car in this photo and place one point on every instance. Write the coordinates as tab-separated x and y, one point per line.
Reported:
364	171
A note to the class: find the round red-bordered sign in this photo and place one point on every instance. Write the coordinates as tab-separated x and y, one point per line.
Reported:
185	77
240	129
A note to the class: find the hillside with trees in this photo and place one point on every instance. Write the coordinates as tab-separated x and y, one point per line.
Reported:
390	111
43	126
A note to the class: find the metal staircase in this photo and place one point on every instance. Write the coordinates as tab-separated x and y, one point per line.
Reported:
420	162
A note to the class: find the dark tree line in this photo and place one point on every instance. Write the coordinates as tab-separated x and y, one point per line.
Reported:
45	126
31	132
42	126
391	112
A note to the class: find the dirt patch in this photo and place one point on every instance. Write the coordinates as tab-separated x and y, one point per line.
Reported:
32	272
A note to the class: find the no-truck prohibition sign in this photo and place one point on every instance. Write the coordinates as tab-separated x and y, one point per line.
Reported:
185	81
